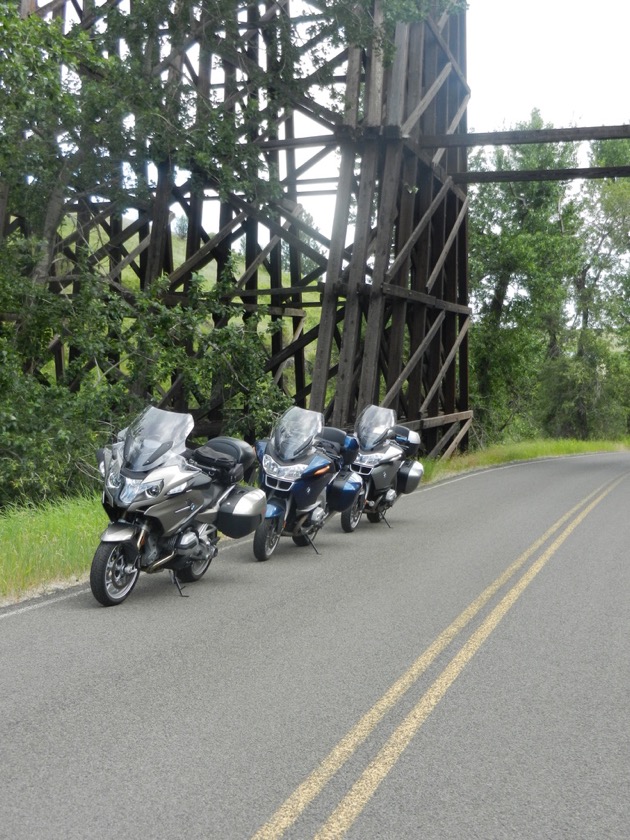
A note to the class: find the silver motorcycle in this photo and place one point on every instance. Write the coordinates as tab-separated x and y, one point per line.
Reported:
385	462
167	503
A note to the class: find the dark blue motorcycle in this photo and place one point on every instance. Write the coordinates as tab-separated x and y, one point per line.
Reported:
304	470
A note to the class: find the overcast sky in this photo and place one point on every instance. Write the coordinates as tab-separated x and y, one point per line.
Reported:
568	58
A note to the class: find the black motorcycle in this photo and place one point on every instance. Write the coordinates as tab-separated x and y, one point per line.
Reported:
167	503
385	463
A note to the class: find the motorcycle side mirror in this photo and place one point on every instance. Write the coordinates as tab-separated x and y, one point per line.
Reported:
261	448
103	460
350	449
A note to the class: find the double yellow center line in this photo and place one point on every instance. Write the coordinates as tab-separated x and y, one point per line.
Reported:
355	800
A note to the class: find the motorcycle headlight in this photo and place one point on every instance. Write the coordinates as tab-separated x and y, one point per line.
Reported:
152	488
129	490
114	479
290	472
368	460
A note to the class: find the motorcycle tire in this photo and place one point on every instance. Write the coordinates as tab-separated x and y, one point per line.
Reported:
194	571
351	516
266	538
374	517
302	540
110	580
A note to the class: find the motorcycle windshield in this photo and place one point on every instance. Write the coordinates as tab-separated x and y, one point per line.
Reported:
295	432
154	437
373	425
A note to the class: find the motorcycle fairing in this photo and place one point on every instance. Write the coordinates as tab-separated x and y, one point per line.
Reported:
118	532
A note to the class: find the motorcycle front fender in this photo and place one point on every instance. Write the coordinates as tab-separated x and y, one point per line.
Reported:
275	509
118	532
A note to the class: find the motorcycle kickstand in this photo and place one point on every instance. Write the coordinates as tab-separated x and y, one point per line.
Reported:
312	544
175	580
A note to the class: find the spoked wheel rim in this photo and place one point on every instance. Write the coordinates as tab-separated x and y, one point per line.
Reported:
199	567
272	537
266	538
120	574
355	511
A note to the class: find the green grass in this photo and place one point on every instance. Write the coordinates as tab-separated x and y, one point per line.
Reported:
521	451
44	548
48	546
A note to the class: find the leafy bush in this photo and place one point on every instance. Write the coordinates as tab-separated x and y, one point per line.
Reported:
114	358
586	396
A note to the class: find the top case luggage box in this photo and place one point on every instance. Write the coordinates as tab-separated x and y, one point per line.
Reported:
408	439
225	466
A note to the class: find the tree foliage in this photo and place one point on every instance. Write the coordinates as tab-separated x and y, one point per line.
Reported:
50	426
549	285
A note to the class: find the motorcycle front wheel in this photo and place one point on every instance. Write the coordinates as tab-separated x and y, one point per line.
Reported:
114	572
351	516
195	571
266	538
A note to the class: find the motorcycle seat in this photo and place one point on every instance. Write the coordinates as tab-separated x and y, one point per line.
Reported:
239	450
222	465
333	439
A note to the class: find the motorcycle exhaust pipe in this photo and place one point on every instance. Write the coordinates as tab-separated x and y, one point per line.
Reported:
158	564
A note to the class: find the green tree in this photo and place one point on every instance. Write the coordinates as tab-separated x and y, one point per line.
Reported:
523	252
586	392
549	285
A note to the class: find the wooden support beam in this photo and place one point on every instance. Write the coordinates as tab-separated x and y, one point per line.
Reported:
506	176
413	361
427	99
518	138
448	361
447	246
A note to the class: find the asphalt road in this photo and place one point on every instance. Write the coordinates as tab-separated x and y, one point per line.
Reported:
462	674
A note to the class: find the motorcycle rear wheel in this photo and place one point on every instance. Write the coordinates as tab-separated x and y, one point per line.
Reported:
374	517
194	571
114	572
266	538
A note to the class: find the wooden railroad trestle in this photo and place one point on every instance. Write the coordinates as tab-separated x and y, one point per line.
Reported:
390	274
